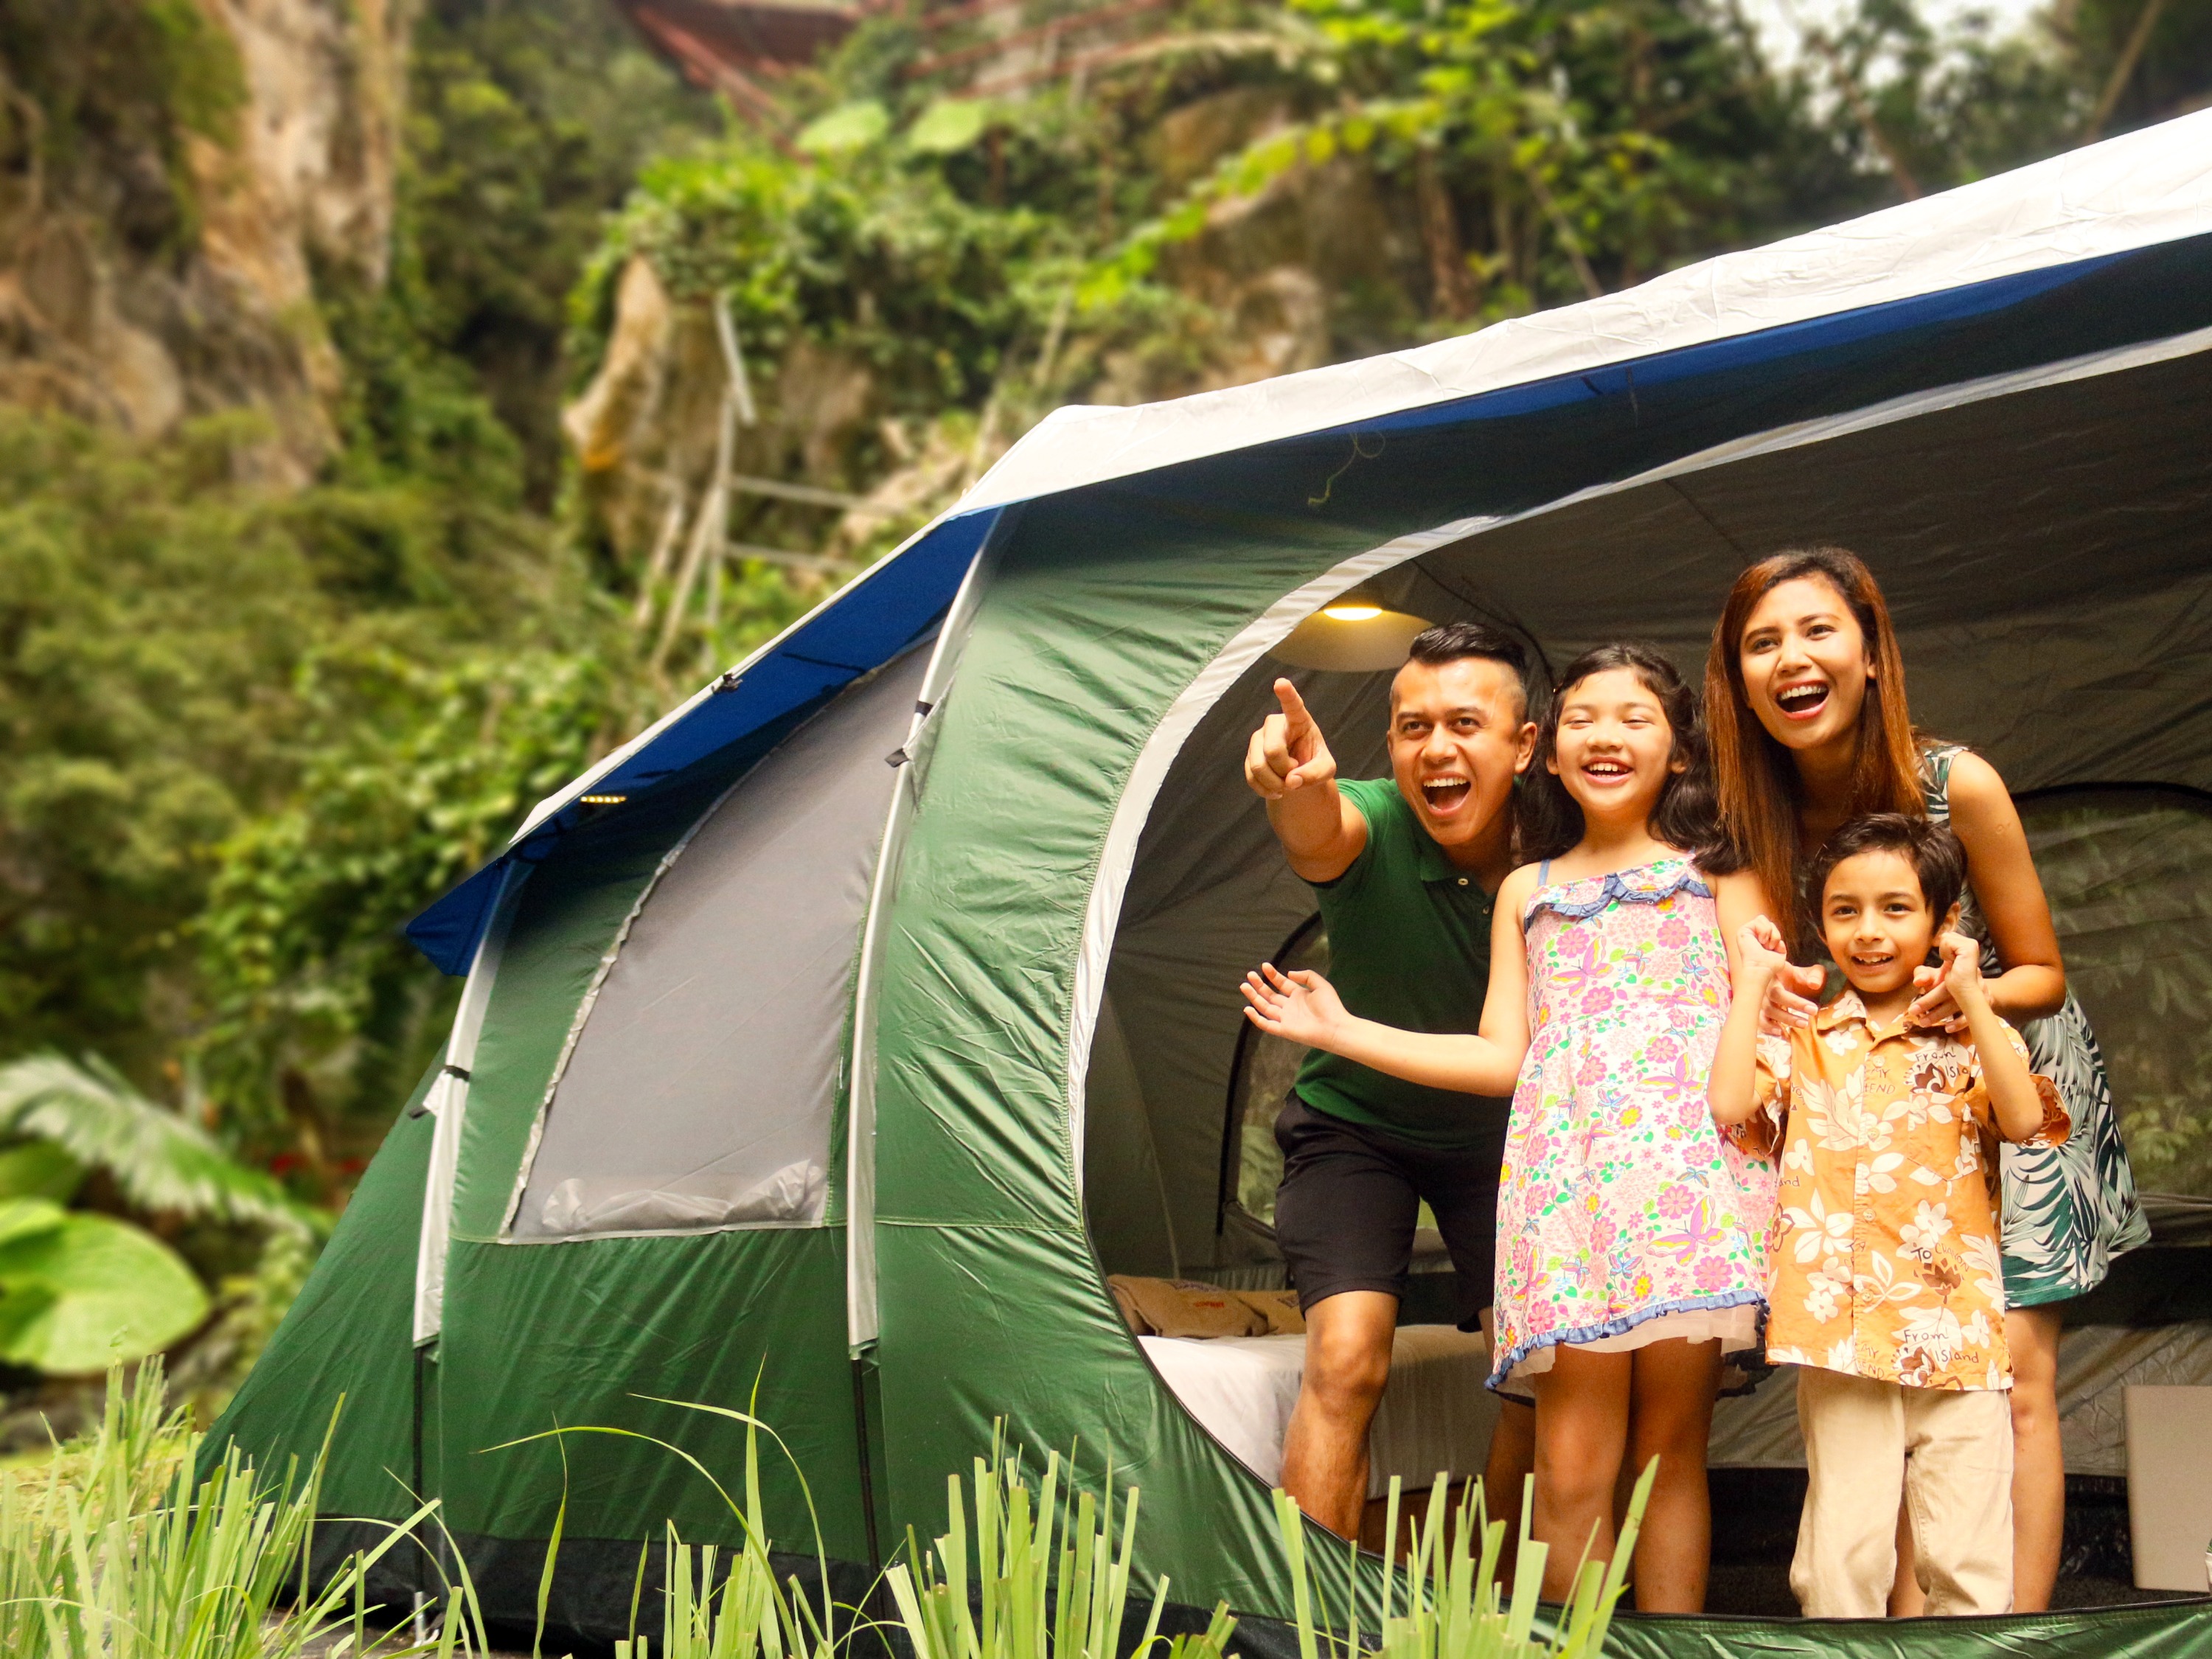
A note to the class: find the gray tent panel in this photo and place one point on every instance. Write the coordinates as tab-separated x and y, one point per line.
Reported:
701	1089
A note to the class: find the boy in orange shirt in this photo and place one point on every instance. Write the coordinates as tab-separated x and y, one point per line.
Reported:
1885	1284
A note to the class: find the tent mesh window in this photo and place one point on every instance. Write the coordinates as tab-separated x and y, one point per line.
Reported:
701	1089
2129	874
1267	1065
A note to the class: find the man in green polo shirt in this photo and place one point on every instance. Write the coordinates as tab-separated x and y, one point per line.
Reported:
1403	870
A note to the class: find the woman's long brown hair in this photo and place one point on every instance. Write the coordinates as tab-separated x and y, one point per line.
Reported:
1758	789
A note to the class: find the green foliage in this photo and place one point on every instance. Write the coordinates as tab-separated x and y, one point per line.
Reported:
105	97
849	127
39	1168
78	1293
859	253
1047	1582
149	614
78	1290
113	1548
210	692
160	1162
1944	109
755	1616
526	124
1579	144
410	774
1445	1602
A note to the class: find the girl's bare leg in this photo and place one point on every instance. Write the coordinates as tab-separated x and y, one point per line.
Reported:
1673	1386
2038	1463
1512	1455
1582	1431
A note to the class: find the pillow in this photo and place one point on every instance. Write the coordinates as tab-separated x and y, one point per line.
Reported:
1279	1308
1183	1307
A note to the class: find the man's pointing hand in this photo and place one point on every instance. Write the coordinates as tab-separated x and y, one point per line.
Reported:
1288	752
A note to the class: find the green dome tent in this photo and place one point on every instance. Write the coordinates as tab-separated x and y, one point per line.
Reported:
838	1034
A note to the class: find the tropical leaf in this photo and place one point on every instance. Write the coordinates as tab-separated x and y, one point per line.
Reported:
80	1293
950	125
39	1168
848	127
163	1163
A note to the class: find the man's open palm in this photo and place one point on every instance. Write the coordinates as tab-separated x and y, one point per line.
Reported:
1288	752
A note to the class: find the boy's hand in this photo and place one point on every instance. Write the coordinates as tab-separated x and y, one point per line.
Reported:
1962	970
1288	752
1760	952
1944	989
1300	1007
1764	970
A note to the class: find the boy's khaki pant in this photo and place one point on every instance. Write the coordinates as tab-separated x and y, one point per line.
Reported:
1951	1453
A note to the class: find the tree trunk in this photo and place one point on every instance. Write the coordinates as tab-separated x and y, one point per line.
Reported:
1454	297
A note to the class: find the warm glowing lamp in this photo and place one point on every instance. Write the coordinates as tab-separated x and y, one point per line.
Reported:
1354	632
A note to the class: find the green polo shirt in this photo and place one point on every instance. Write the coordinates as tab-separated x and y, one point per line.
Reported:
1409	945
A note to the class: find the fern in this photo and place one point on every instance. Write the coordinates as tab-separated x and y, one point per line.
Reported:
163	1163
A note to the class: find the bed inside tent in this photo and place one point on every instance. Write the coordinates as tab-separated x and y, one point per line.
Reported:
2047	554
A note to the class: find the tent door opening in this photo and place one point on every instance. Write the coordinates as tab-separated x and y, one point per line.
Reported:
2045	558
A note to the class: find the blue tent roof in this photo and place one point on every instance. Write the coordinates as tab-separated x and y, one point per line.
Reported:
857	630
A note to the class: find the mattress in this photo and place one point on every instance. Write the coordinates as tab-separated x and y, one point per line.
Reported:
1435	1414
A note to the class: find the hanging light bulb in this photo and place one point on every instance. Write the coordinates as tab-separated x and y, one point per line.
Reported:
1354	632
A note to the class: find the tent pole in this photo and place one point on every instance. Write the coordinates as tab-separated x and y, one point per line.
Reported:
421	1592
868	1465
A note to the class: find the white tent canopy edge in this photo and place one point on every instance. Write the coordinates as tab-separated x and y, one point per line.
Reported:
2130	192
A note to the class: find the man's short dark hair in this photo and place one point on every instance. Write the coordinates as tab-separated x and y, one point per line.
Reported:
1929	846
1450	641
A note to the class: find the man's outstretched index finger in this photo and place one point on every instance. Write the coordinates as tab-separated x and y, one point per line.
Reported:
1294	709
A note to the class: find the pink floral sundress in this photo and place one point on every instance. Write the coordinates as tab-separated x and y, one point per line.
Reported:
1623	1217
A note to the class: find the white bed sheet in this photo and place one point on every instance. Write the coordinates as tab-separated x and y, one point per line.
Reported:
1436	1413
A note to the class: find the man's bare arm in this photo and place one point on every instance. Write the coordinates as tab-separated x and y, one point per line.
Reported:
1289	766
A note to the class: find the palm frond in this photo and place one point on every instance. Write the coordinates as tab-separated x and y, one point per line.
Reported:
161	1161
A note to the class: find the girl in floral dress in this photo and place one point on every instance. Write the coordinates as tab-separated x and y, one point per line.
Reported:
1630	1256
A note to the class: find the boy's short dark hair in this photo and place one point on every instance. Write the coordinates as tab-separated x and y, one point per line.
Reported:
1929	846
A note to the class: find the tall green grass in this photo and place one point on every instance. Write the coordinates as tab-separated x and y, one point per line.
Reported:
751	1614
112	1550
1445	1601
1045	1580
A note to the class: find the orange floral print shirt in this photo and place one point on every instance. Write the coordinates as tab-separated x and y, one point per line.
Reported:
1882	1259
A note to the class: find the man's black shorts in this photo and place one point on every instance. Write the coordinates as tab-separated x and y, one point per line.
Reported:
1349	1194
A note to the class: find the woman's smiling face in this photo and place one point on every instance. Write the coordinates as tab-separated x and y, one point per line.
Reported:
1805	664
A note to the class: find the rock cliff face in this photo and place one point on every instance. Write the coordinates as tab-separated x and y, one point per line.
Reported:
172	173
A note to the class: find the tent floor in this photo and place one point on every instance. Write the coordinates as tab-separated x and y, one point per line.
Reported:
1755	1531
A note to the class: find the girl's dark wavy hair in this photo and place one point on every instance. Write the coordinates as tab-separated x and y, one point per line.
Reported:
1687	812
